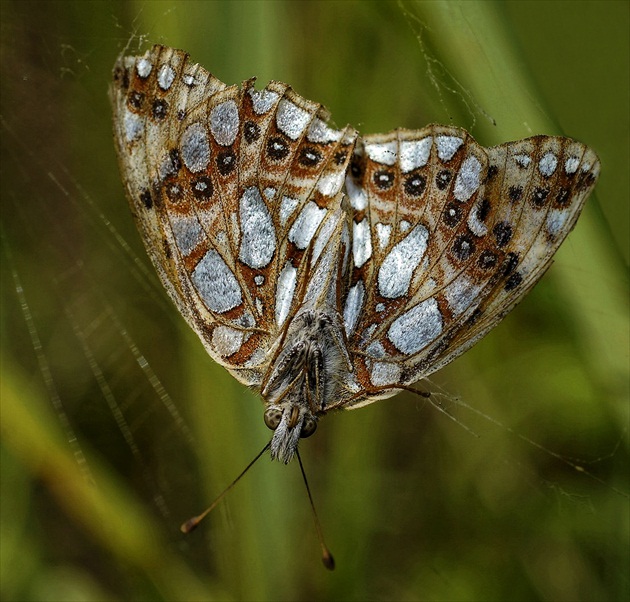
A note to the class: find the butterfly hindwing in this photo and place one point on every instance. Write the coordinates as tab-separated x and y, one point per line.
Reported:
233	189
450	237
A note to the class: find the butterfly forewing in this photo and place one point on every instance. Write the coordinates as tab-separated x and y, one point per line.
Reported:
323	269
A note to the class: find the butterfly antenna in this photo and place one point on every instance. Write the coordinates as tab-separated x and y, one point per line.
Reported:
192	523
327	557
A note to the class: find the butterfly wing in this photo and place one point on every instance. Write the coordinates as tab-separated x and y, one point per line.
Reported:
232	189
447	238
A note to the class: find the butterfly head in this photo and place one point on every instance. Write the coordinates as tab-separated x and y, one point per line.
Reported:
290	422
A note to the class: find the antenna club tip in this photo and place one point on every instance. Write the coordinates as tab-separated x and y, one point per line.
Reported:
328	560
189	525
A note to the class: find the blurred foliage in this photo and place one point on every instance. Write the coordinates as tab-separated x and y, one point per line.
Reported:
115	424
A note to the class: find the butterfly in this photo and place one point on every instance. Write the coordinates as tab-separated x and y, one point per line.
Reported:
324	269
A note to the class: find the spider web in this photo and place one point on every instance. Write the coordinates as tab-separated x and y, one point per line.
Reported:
91	341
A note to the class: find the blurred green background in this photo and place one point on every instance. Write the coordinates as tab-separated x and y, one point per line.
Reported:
116	426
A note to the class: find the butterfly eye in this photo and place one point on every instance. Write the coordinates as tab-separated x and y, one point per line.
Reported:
309	427
272	418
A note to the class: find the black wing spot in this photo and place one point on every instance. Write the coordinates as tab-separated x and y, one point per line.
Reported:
452	215
463	247
487	260
563	198
511	261
502	233
202	188
159	108
226	162
513	281
277	148
515	193
384	179
586	180
474	317
174	192
136	99
356	168
539	196
251	131
443	179
415	185
145	197
122	76
309	156
493	170
340	157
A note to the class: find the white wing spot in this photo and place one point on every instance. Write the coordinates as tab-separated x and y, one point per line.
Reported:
166	76
331	183
416	328
284	292
319	282
447	146
323	236
385	373
396	271
556	221
385	153
224	122
414	153
467	181
571	165
133	125
306	224
376	350
361	242
291	119
383	232
460	294
216	284
263	100
187	231
547	165
357	195
477	227
226	340
354	302
287	207
256	359
195	148
143	68
320	132
258	237
522	160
